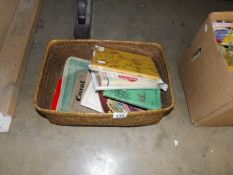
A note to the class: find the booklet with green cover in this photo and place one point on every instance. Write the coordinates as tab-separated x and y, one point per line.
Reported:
144	98
74	69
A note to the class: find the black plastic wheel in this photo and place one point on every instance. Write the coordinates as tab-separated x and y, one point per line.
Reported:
82	26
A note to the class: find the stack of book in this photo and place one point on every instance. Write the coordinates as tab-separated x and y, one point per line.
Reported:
224	36
113	81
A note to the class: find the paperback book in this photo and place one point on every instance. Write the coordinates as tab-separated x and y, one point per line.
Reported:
111	81
224	37
74	69
111	60
91	99
80	91
145	98
56	94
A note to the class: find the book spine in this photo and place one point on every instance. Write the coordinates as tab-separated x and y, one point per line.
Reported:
56	94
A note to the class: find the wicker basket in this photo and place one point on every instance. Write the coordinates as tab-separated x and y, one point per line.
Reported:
56	54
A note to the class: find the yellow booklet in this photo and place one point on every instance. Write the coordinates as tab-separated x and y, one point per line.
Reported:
106	59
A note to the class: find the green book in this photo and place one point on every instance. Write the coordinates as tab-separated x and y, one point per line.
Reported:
144	98
75	69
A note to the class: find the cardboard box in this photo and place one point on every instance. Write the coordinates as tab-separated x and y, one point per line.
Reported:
16	33
206	78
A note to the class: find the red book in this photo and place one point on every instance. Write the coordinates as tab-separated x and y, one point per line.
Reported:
56	94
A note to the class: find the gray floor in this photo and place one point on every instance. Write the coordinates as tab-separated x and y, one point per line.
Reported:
34	146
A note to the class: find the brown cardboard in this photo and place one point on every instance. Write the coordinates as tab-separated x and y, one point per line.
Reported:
206	79
14	50
7	10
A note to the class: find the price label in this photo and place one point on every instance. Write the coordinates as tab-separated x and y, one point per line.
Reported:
117	115
101	49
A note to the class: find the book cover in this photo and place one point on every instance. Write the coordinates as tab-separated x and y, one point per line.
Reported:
145	98
123	62
110	105
73	68
56	94
224	37
83	81
102	81
91	99
111	79
219	25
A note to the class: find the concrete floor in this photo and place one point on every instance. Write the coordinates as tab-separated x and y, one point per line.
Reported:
34	146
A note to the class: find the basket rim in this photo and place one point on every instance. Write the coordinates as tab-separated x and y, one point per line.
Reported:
97	114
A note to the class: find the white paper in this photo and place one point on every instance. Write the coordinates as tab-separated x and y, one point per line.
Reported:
91	99
206	28
5	122
163	86
176	142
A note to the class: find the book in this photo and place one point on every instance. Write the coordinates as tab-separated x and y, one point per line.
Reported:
83	81
74	67
224	37
56	94
111	81
221	24
111	60
143	98
110	105
91	99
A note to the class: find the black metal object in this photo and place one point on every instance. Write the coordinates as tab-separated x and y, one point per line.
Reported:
81	5
82	26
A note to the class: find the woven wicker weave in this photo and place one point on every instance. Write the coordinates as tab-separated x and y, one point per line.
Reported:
56	54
